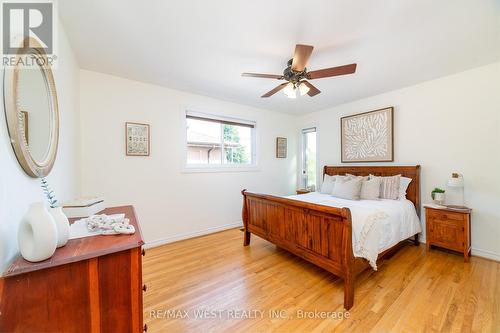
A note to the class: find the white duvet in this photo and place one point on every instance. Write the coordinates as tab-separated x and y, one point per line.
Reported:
376	224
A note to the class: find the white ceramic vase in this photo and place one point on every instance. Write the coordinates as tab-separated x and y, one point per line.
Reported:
439	198
62	225
37	235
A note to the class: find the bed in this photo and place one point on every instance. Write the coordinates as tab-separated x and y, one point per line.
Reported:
326	231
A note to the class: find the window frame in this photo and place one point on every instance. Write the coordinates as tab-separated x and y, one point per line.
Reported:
302	179
195	168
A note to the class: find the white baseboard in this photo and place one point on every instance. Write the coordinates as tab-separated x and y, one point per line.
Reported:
485	254
478	252
193	234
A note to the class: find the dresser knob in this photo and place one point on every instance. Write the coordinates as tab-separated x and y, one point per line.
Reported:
143	252
145	328
144	288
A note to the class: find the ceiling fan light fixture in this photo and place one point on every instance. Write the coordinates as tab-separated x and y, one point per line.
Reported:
292	95
297	76
290	90
303	88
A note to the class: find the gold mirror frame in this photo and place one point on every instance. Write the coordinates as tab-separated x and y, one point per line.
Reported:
32	167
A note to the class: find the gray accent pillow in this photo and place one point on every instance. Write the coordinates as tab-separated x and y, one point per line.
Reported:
389	187
370	188
348	188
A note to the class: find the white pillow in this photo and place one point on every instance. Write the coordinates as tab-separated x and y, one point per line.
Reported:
347	188
370	188
327	185
403	186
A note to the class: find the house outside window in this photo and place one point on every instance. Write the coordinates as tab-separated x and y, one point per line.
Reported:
219	142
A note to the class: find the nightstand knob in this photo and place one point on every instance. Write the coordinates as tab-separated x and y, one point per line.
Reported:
145	328
144	288
143	252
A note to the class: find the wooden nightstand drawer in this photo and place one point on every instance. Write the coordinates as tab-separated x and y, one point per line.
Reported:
445	216
448	234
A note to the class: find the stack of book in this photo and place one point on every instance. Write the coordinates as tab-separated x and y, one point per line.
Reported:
450	207
83	207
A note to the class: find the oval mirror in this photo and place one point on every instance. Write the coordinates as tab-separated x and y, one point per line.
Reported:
31	111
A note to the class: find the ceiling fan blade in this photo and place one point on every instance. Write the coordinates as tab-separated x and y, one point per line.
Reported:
275	90
313	91
301	56
333	71
264	76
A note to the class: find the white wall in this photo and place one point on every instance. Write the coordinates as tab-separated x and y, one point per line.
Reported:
445	125
17	190
170	204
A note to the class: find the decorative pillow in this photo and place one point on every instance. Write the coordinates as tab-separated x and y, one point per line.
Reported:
389	186
347	188
327	185
403	186
370	188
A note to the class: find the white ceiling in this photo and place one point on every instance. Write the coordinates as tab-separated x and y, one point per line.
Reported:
203	46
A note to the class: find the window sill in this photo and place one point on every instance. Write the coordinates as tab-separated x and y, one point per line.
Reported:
193	169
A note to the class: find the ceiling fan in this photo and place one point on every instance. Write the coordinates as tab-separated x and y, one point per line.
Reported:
297	75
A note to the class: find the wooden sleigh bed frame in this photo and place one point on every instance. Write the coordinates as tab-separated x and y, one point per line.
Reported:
320	234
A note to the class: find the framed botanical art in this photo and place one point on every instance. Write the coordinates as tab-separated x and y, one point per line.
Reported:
368	136
281	147
137	138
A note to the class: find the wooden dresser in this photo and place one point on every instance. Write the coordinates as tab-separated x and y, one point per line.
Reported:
92	284
449	228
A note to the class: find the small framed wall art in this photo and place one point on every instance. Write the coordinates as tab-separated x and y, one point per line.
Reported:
368	136
281	147
137	139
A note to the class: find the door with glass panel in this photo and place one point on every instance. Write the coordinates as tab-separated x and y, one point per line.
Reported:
309	158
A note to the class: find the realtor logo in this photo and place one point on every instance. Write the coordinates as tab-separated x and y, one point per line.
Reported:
27	25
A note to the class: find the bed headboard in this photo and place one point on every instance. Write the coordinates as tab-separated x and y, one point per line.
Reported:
413	172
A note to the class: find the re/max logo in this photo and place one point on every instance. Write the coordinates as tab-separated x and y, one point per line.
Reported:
24	20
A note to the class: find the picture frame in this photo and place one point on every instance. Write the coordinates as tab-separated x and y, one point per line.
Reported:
137	139
368	136
281	147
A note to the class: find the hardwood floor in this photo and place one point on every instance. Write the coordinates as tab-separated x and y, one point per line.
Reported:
411	292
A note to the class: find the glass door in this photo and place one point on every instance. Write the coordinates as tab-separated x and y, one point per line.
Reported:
309	158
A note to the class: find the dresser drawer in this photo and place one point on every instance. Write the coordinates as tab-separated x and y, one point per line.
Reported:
445	216
447	233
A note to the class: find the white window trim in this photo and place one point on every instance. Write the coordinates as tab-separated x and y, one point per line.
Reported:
204	168
319	169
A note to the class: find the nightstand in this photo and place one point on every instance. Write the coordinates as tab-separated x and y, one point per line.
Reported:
448	228
302	191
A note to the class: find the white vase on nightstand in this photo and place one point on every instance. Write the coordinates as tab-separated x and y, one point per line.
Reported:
37	235
62	225
439	198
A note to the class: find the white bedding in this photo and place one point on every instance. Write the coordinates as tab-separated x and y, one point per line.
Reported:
377	224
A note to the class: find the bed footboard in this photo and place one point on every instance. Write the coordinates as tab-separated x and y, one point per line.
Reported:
319	234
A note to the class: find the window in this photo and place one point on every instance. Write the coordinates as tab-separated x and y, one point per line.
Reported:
213	141
309	157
